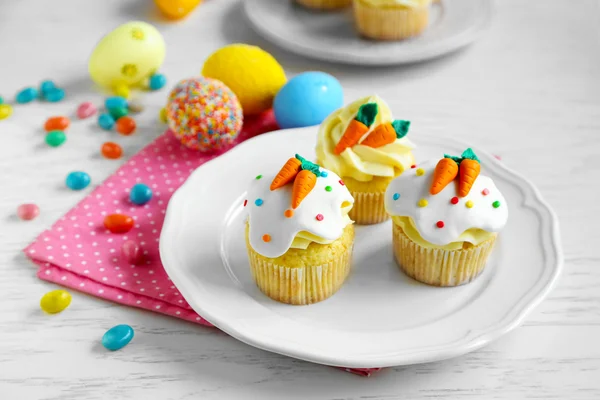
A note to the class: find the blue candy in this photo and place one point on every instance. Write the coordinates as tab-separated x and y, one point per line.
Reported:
106	122
307	99
78	180
54	95
1	100
140	194
115	102
117	337
157	81
27	95
46	86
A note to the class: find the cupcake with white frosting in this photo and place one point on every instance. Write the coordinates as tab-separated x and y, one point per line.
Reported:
298	233
368	148
391	19
446	220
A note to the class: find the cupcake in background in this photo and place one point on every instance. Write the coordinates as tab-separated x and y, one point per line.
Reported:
325	4
365	146
298	233
391	19
446	220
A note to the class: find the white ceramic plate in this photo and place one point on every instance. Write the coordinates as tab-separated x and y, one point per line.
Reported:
380	317
331	36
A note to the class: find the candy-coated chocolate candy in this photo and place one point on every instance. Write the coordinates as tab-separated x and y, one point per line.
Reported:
46	86
135	107
140	194
54	95
119	112
26	95
163	115
132	252
86	110
55	301
27	212
56	124
118	223
122	91
78	180
111	150
117	337
115	102
126	126
5	111
157	81
106	122
55	138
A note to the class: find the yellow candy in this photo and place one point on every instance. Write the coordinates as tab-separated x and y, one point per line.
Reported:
469	204
55	301
127	56
176	9
163	115
5	111
250	72
420	172
423	203
122	91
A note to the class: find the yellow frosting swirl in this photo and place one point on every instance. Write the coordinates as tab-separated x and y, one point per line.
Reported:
397	3
474	236
362	162
303	239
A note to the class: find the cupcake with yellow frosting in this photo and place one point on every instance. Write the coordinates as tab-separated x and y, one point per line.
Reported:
325	4
391	19
368	148
298	233
446	220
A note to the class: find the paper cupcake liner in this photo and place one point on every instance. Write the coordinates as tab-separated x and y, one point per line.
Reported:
369	208
301	285
389	23
325	4
440	267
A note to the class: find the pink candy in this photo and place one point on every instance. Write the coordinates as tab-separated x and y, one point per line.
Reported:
132	252
28	212
86	110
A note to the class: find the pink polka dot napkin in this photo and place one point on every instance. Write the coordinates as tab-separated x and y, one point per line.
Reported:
79	253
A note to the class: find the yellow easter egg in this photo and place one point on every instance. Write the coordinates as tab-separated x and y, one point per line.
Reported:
251	73
127	56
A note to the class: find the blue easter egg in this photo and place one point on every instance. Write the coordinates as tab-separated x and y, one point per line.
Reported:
117	337
54	95
26	95
115	102
140	194
78	180
106	122
157	81
307	99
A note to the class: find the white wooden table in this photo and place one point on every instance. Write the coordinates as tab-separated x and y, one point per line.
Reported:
529	91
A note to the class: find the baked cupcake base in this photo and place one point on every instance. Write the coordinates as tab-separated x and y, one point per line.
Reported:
325	4
303	277
369	208
390	23
439	267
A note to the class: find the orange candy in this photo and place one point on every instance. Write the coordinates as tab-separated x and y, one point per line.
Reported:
126	126
57	124
111	150
118	223
176	9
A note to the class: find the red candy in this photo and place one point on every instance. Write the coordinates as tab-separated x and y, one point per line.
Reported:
118	223
440	224
57	124
111	150
27	212
126	126
454	200
132	252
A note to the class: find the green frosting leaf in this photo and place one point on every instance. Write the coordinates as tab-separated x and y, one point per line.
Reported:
401	127
300	158
367	113
470	155
456	159
310	166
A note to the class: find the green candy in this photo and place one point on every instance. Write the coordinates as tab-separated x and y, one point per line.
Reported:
1	100
496	204
55	138
119	112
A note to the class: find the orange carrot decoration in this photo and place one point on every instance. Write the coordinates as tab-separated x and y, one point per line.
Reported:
287	173
303	184
386	133
445	172
468	172
358	127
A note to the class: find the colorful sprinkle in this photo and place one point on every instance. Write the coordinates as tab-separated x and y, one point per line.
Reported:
440	224
323	174
289	213
341	182
496	204
328	188
485	192
320	217
454	200
422	203
245	202
266	238
259	202
396	196
414	166
469	204
258	177
420	172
